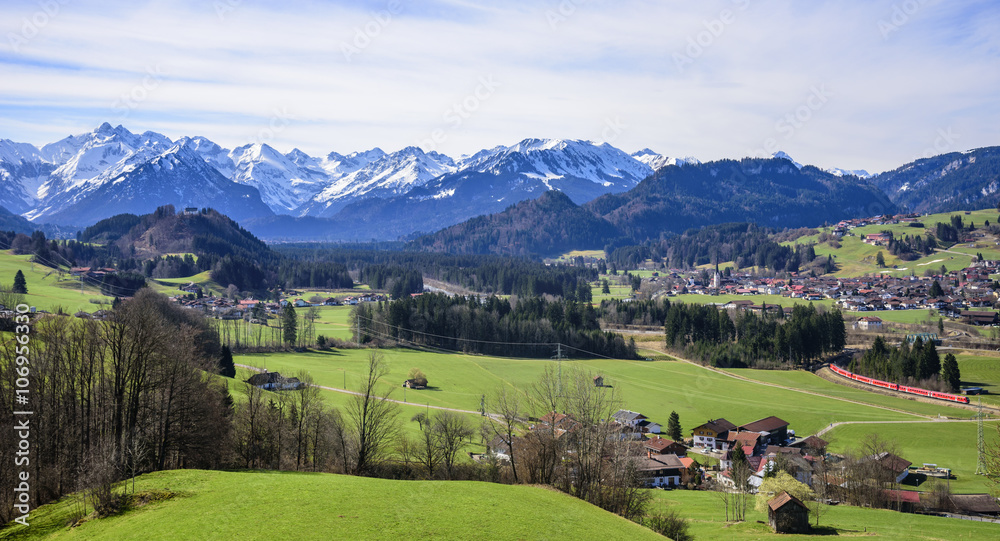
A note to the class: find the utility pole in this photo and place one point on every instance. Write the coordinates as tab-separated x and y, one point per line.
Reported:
559	357
981	442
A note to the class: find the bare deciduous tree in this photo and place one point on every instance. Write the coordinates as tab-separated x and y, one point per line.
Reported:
372	418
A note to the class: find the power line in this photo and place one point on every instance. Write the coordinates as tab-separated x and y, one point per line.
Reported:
468	340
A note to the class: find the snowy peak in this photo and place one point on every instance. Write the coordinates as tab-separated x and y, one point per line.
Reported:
284	184
550	159
782	155
375	174
15	153
860	173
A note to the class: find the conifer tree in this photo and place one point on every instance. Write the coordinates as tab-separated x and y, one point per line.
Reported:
20	285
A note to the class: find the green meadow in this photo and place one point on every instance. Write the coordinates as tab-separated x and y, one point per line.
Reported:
947	444
251	506
47	288
981	371
855	258
708	521
654	388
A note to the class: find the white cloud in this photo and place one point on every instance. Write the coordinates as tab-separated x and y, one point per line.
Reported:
565	70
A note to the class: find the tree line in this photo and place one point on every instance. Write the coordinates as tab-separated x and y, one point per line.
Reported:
521	327
746	339
918	365
486	274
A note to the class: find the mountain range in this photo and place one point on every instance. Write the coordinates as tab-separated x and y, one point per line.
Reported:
375	194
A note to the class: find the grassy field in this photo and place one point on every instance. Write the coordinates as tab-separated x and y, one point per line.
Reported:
168	286
981	371
757	299
47	290
654	388
807	381
949	445
707	521
285	505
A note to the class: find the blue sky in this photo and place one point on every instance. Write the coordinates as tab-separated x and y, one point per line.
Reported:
866	84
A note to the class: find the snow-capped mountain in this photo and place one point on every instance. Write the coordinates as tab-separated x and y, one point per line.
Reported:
384	176
285	182
860	173
491	180
22	171
657	161
782	155
562	164
178	176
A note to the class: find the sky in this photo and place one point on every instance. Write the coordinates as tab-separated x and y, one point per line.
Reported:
852	84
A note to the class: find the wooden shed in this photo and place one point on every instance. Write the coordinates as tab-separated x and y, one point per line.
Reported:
787	514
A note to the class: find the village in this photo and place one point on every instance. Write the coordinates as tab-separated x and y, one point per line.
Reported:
728	458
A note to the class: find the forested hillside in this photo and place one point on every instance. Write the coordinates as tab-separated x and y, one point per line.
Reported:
551	224
764	191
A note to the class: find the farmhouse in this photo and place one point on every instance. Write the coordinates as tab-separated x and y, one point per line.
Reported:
707	434
661	470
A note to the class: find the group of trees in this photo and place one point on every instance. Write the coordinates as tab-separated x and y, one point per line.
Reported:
917	365
578	450
909	247
112	398
524	327
750	340
397	280
487	274
636	312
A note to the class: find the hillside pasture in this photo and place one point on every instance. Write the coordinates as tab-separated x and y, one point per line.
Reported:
288	505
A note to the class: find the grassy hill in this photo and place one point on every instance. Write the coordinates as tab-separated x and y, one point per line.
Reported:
289	506
856	258
48	289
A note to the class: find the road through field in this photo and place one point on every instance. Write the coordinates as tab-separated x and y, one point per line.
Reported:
813	393
345	391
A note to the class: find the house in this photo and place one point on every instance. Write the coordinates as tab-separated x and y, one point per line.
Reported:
787	514
869	323
638	423
661	470
751	442
664	446
273	381
899	467
413	384
707	434
773	430
598	381
812	445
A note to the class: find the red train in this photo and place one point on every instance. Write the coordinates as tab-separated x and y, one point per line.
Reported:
900	388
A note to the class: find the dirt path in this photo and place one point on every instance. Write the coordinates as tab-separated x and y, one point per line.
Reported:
345	391
835	425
